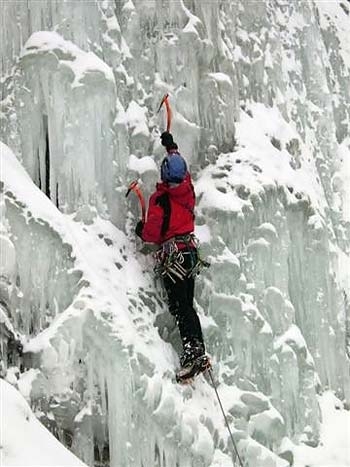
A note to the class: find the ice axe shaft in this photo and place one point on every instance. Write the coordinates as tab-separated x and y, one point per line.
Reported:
165	101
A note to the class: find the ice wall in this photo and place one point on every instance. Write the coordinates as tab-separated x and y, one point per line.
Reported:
67	144
261	109
97	371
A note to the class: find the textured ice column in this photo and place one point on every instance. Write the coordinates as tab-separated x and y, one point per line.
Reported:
293	369
241	337
266	262
8	294
8	264
10	297
316	296
334	34
162	42
66	103
44	273
256	336
76	21
266	265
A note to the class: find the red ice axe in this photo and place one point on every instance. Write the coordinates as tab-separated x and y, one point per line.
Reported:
165	101
134	186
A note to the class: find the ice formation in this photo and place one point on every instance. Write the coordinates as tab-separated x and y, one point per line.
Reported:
261	106
21	423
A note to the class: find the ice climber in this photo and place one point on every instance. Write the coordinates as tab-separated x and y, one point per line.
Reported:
170	224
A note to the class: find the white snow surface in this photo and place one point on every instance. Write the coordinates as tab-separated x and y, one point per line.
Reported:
81	63
24	441
258	164
334	449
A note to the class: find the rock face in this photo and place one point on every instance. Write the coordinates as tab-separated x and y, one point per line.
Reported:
261	111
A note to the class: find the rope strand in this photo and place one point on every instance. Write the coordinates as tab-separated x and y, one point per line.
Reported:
226	421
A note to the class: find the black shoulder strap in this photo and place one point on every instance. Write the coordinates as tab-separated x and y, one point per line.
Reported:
164	202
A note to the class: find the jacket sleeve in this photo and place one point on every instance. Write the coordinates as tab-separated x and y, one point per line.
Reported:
152	228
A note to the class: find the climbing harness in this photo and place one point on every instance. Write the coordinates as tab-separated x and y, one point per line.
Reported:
226	421
169	258
168	262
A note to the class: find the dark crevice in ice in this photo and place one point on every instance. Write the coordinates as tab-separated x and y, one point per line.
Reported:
57	201
39	174
101	454
47	158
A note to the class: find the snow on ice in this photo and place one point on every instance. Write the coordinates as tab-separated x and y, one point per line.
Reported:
24	441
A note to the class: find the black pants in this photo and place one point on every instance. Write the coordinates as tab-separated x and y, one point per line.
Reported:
180	297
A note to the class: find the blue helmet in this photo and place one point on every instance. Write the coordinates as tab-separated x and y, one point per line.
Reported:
173	168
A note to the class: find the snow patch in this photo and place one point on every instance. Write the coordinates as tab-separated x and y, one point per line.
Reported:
25	441
80	62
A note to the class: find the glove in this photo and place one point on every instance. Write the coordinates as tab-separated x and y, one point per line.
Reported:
139	228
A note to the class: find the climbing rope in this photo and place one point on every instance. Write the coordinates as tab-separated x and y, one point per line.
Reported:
226	421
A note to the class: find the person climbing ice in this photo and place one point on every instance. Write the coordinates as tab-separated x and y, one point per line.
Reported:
170	224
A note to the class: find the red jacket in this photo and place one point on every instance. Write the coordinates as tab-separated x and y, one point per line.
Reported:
170	212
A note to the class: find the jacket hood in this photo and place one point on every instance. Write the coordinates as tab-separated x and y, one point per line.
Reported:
178	191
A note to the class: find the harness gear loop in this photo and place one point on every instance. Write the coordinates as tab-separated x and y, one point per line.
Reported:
169	258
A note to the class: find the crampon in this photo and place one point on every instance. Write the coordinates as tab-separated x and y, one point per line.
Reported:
187	374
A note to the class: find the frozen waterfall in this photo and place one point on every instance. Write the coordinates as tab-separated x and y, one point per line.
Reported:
261	111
